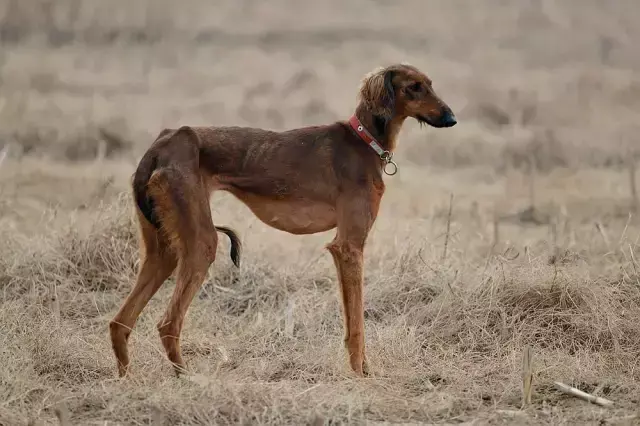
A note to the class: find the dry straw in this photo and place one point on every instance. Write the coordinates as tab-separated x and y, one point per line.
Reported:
527	376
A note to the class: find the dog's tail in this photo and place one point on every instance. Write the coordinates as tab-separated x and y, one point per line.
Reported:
148	164
146	167
236	245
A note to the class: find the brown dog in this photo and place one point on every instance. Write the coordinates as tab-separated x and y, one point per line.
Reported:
301	181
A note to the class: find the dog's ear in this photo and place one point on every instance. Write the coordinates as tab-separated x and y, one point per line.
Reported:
378	94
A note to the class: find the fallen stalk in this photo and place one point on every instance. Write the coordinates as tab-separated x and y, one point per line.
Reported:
582	395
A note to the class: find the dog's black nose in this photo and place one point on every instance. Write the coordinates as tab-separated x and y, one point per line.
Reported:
448	119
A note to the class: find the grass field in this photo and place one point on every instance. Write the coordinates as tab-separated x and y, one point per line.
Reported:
533	186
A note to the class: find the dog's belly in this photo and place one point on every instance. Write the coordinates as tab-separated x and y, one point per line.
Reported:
295	217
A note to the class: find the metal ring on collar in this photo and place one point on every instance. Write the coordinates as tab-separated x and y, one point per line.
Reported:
394	169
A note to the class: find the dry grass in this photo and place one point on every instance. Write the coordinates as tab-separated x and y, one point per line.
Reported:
445	338
451	301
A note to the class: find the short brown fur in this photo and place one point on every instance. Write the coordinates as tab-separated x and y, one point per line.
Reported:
301	181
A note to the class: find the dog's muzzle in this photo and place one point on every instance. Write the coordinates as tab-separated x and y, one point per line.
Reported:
448	119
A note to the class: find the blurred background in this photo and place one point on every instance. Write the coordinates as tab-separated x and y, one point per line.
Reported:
556	81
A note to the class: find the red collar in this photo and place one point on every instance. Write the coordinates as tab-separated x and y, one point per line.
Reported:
364	134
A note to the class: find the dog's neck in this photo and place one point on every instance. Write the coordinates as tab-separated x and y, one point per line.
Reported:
384	131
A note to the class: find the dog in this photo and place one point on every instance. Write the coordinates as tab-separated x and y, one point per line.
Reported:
301	181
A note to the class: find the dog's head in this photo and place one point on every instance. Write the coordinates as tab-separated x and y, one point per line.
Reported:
403	90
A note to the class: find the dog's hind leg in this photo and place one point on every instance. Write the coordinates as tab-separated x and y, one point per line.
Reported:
182	201
157	264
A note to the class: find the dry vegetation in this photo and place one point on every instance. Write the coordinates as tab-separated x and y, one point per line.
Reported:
542	249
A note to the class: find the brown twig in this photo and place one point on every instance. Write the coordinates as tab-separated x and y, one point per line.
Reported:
496	231
555	256
532	180
54	303
603	233
527	376
3	154
632	185
446	239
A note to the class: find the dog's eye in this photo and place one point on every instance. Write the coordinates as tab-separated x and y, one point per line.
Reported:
416	87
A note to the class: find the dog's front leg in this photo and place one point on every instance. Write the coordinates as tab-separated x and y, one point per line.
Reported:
348	258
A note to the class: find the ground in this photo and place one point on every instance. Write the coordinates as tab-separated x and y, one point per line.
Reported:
472	260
